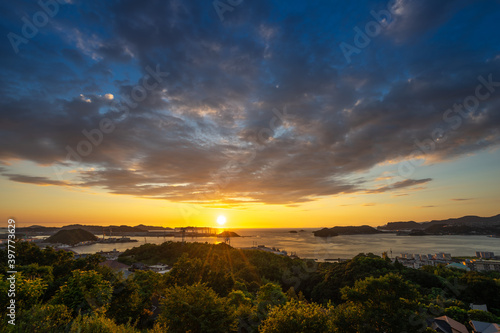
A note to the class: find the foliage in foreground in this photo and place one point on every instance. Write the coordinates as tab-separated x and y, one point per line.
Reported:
215	288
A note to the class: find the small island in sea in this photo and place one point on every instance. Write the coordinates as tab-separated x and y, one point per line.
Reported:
71	237
228	234
348	230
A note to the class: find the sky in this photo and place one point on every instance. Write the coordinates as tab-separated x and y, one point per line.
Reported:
270	113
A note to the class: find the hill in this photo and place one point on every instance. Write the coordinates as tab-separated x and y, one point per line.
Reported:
461	229
475	222
325	232
395	226
351	230
71	237
228	234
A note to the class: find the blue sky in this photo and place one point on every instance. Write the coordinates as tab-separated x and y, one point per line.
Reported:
241	104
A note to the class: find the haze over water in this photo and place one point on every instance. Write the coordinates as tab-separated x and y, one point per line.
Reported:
305	245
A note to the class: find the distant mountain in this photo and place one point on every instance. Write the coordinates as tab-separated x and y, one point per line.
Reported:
71	237
410	225
467	220
99	229
462	229
38	229
351	230
95	229
151	227
466	225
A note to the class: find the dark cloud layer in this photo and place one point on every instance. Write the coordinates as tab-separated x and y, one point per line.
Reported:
260	107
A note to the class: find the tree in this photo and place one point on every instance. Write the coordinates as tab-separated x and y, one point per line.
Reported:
195	308
85	291
126	302
336	276
297	316
188	271
133	298
480	289
270	295
98	323
29	291
457	314
46	318
384	304
483	316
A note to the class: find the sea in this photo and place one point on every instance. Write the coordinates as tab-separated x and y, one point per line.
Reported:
305	245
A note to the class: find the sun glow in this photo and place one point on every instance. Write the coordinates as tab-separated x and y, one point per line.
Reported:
221	220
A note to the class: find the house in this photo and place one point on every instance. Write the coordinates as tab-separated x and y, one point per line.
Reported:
458	266
117	267
485	255
445	324
482	327
481	307
139	266
160	268
486	265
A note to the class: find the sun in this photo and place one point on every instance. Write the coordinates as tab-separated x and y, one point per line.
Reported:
221	220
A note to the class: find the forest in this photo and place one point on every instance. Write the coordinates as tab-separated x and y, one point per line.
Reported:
218	288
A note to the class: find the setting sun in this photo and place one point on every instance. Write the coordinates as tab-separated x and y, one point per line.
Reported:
221	220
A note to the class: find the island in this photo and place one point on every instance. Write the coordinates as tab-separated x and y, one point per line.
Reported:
228	234
71	237
348	230
325	232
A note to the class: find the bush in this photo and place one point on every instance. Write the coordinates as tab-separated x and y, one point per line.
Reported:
196	308
98	324
46	318
85	291
297	316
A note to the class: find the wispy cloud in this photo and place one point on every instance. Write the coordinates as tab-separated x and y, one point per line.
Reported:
44	181
400	185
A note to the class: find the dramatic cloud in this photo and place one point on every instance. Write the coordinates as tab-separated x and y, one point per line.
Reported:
399	185
164	100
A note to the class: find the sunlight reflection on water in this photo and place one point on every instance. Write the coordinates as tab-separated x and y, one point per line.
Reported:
307	246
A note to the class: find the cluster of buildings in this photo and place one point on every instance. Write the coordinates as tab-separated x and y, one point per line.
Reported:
445	324
158	268
267	249
126	270
484	261
110	255
419	260
485	255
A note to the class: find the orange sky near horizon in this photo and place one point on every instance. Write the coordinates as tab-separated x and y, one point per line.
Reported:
57	206
167	115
